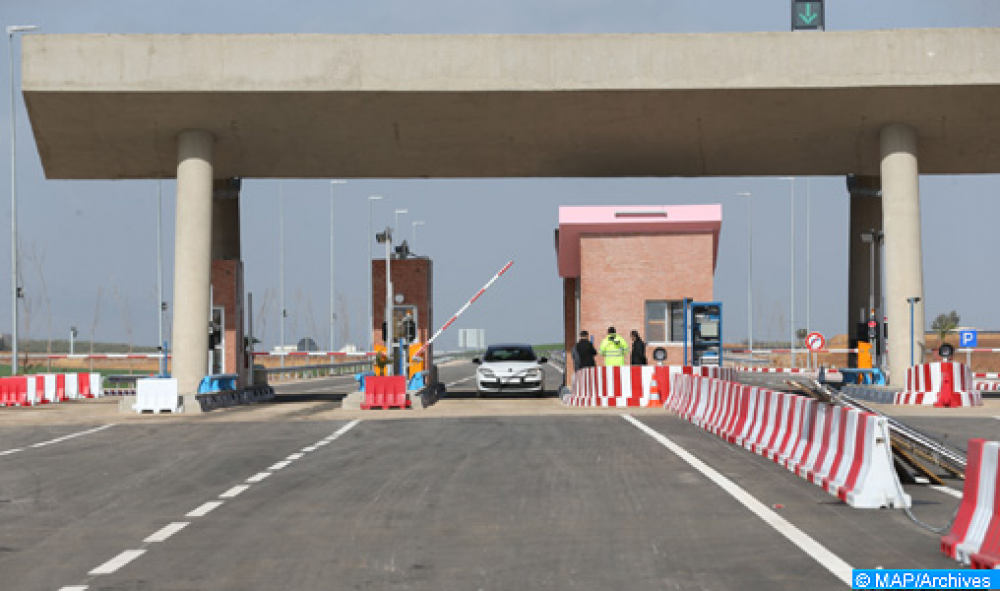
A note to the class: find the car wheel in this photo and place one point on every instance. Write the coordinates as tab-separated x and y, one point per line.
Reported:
479	393
541	393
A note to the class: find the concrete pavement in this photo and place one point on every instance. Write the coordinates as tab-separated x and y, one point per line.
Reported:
494	498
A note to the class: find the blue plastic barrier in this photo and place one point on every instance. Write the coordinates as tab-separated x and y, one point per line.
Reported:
863	376
417	381
217	383
360	379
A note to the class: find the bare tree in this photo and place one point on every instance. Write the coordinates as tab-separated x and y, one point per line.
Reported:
260	319
311	318
295	316
341	316
37	261
97	317
126	311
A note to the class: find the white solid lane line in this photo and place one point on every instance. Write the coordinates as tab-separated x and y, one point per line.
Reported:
204	509
58	439
814	549
461	381
258	477
947	490
166	532
234	491
117	562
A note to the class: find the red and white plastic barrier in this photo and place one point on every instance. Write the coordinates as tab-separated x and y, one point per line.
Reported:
632	385
844	451
49	388
974	538
939	383
985	386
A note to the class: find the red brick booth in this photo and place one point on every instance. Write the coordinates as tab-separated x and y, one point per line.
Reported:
631	266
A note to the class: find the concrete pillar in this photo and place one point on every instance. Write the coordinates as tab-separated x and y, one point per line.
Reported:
903	251
192	262
866	214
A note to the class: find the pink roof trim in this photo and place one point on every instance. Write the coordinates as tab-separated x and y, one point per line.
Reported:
632	219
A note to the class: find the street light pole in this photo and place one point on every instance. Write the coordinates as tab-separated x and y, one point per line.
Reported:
413	247
808	272
15	291
281	266
792	257
749	197
388	298
396	220
368	271
912	302
333	314
159	273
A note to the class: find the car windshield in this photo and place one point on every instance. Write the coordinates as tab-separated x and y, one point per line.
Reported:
510	354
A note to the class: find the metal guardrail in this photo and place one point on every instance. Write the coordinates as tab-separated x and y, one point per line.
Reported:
318	371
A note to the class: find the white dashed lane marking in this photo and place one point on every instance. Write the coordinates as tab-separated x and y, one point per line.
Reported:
166	532
947	490
169	530
57	440
117	562
204	509
234	491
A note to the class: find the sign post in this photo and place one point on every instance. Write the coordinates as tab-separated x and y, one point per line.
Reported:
968	339
815	342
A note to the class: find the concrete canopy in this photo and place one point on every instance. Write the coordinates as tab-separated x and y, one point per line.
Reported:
322	106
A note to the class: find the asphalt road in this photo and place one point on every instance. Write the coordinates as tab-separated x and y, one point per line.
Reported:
307	501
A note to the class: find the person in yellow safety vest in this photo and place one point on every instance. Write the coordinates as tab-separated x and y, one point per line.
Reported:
614	349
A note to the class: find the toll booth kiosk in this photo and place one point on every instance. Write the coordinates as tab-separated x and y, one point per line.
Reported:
703	327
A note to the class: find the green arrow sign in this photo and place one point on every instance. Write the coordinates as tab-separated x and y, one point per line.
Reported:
807	15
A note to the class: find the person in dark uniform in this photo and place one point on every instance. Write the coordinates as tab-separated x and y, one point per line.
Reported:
638	349
584	351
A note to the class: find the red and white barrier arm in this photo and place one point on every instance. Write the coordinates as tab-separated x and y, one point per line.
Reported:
463	309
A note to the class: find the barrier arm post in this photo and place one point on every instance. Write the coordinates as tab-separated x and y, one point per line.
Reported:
463	309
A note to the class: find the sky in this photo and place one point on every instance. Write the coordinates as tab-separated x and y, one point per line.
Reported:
89	248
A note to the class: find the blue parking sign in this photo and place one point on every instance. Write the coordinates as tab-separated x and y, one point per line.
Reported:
968	338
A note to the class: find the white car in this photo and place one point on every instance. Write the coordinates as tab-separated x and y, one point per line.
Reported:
510	368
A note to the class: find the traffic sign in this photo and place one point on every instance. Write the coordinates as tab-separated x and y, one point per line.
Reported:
968	338
807	16
815	341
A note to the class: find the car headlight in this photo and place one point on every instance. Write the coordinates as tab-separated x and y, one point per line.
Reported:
533	373
486	373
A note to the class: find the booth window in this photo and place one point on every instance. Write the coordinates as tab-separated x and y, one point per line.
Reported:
664	321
